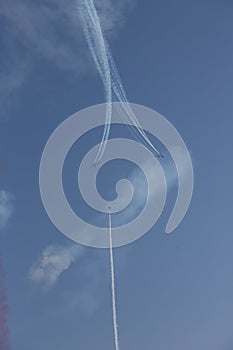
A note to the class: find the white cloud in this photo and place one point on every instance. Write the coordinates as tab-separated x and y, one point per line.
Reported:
49	30
112	14
53	261
156	187
43	29
6	208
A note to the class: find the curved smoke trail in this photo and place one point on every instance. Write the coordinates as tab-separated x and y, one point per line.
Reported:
110	77
4	331
128	114
96	44
114	313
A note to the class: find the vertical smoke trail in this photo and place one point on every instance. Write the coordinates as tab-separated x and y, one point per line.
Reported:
4	332
95	41
110	77
114	313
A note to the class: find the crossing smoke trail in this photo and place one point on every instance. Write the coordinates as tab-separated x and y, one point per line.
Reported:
110	77
96	44
114	313
4	332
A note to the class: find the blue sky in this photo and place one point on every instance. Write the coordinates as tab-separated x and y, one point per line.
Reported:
172	291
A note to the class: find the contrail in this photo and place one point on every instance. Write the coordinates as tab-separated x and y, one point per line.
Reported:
95	40
128	113
4	331
110	77
114	313
120	94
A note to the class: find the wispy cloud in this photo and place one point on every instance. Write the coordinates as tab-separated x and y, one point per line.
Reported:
87	293
113	14
48	30
53	261
156	187
6	208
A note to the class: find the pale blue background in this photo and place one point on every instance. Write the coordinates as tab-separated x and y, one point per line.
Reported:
173	292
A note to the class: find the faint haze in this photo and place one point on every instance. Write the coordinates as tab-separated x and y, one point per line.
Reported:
48	30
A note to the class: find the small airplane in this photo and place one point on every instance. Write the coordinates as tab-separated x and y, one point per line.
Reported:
160	156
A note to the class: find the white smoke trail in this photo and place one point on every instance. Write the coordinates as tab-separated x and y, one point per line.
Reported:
96	44
110	77
114	313
120	94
